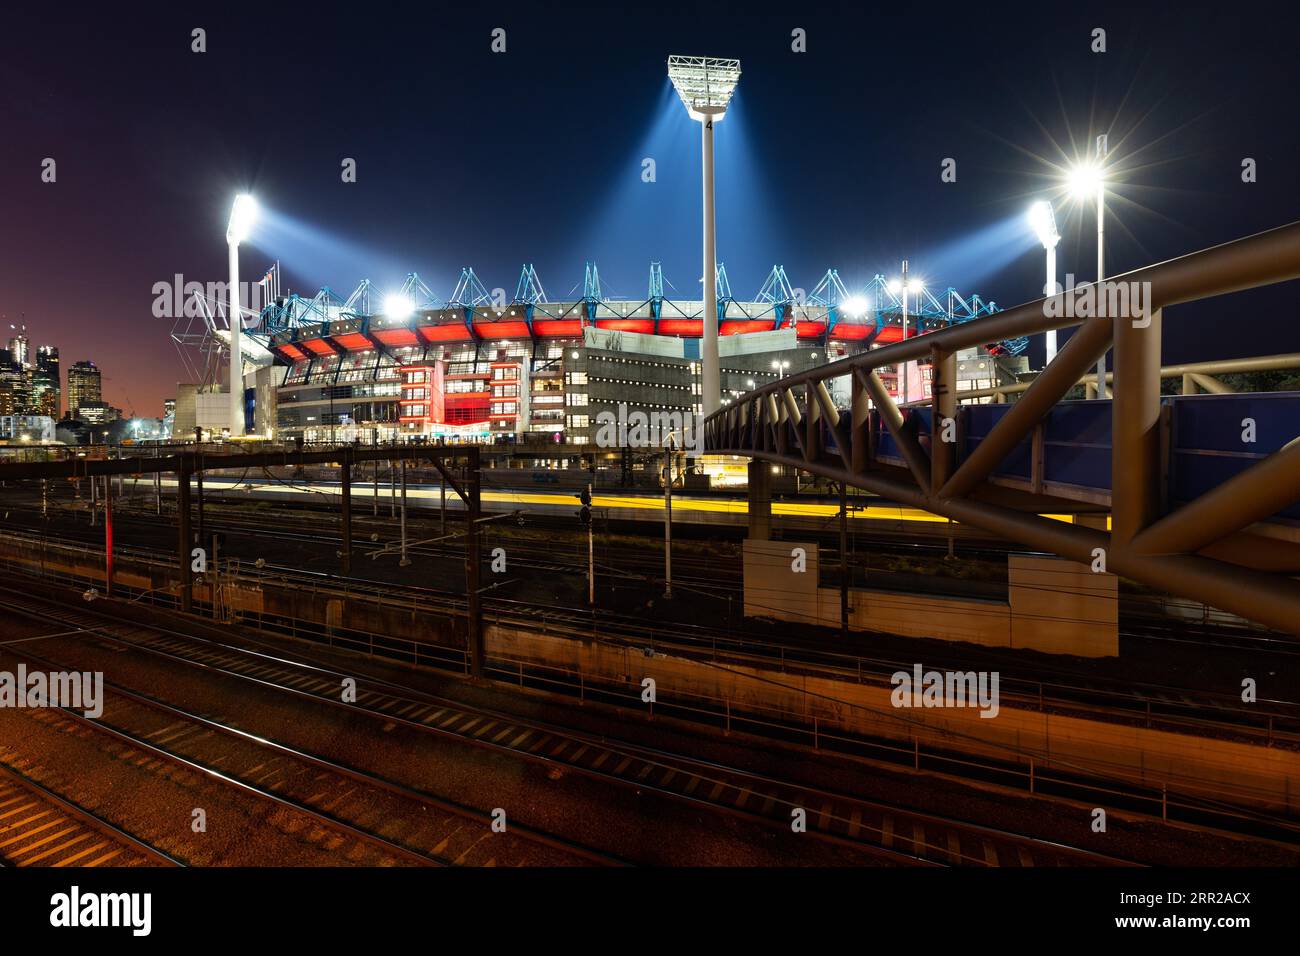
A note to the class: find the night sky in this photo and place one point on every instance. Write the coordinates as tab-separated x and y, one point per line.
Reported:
828	158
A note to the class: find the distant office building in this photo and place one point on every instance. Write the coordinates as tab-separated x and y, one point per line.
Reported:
13	388
83	388
44	388
26	428
97	413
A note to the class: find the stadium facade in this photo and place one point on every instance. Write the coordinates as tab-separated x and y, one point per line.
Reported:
476	368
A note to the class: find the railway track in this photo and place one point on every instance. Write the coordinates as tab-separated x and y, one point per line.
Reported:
1271	720
38	827
352	805
881	830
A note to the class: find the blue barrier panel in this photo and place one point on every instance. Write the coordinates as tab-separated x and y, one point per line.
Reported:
885	445
978	422
1077	444
1206	445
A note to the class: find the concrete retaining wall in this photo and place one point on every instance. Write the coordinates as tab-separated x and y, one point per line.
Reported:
1187	764
1053	605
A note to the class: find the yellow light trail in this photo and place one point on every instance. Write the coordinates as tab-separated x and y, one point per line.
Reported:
365	490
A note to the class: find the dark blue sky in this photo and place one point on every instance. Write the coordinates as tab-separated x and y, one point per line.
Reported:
828	158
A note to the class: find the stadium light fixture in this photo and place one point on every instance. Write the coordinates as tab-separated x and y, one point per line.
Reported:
706	85
242	216
855	307
1043	221
398	306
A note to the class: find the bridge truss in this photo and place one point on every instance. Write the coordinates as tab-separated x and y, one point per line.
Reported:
1209	549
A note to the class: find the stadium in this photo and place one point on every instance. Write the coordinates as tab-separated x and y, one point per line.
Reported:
408	366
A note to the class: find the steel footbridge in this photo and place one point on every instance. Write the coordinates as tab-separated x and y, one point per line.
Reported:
1196	494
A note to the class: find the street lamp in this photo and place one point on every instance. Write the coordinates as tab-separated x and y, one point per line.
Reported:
1088	180
1043	220
705	85
242	216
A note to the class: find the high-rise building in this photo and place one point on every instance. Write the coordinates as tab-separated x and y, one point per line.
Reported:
19	347
83	387
13	388
45	391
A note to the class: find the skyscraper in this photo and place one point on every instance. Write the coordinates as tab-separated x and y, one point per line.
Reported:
83	386
13	386
18	345
45	390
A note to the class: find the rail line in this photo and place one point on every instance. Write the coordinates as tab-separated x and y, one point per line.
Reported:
897	834
1274	720
312	786
39	827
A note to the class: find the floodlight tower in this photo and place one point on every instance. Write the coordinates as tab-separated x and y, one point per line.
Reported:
705	85
1043	220
901	287
242	216
1086	181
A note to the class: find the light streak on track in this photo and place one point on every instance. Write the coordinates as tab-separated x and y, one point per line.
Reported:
363	492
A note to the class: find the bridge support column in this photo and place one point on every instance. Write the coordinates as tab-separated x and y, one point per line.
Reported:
943	408
1135	428
760	500
860	425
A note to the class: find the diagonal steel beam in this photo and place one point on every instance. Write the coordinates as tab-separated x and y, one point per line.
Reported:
794	418
1080	353
1255	494
833	419
774	419
917	461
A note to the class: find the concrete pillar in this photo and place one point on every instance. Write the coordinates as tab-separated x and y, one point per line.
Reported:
760	500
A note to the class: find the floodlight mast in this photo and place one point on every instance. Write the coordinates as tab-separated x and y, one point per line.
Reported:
705	85
1042	218
1102	150
905	286
242	215
1083	180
